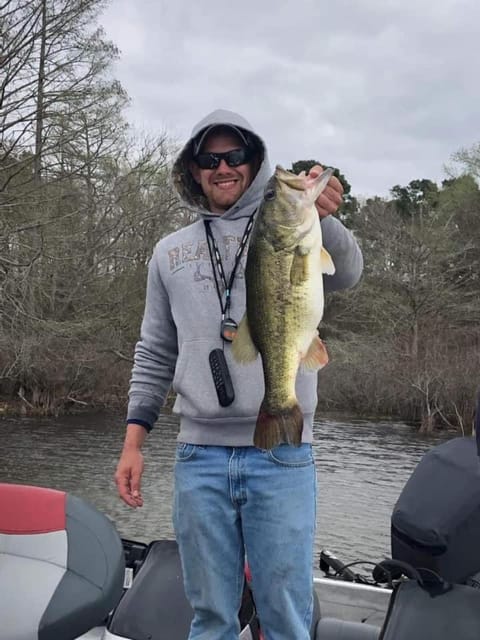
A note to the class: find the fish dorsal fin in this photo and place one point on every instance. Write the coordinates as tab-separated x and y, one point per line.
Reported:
327	263
243	348
316	356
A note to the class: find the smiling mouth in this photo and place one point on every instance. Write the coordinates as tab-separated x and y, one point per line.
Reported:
226	184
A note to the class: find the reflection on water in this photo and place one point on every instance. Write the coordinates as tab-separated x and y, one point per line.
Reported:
361	468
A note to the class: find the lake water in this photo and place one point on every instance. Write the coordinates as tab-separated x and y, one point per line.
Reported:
361	466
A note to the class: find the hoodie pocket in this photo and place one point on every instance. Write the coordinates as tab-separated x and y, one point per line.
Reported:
196	394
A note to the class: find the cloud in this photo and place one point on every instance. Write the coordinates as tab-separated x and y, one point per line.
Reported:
382	89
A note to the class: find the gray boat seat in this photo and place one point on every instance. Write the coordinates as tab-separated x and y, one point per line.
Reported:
61	564
333	629
158	599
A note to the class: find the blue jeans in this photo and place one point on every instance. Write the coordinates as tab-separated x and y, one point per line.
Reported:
232	502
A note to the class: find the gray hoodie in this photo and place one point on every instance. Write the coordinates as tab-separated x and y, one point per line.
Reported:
181	323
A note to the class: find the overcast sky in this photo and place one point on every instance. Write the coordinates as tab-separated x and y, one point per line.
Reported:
386	90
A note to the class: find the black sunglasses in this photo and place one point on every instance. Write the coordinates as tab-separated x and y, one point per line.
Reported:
233	158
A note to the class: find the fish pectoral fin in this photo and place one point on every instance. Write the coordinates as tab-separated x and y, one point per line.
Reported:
327	263
316	356
299	269
243	348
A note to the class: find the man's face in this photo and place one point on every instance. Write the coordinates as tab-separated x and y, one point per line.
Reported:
224	185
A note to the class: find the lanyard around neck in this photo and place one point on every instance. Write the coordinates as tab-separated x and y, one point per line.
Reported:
216	261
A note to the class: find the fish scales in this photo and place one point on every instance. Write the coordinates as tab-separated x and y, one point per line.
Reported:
273	324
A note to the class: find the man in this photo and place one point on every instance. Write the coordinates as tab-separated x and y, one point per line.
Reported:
231	498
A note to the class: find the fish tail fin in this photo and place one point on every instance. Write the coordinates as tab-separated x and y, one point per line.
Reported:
285	426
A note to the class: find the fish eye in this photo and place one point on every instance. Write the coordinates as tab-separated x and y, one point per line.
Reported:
269	194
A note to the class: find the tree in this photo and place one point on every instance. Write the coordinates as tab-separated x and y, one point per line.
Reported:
412	337
80	197
51	56
469	160
419	197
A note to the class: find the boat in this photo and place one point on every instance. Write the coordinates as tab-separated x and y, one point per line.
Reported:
66	573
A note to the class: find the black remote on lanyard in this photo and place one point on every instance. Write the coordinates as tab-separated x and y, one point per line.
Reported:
221	377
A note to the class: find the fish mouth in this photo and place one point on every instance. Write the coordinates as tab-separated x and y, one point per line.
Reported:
289	179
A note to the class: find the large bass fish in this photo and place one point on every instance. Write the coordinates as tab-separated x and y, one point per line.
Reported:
284	282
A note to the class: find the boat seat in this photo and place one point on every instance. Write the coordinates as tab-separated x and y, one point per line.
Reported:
61	564
157	597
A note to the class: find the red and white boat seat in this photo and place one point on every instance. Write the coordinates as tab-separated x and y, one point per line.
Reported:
61	564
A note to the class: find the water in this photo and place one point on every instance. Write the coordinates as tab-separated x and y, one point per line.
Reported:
361	468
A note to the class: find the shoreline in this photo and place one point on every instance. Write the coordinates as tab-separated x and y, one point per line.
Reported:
17	409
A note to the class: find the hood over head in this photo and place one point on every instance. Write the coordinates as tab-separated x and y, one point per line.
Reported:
190	191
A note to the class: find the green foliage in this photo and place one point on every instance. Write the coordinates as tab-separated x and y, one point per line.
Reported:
420	197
